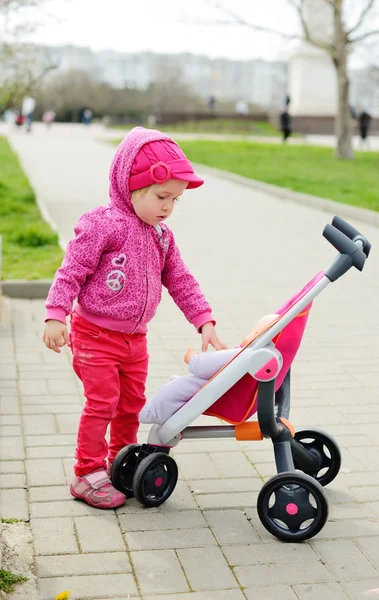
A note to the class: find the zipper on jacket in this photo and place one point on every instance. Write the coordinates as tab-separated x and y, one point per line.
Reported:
146	277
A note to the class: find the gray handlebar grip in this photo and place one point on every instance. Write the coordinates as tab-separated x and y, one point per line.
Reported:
350	255
345	227
351	233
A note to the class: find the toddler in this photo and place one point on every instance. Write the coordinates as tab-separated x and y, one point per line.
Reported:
115	266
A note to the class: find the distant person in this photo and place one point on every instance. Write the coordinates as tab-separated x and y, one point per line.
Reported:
285	124
212	104
242	108
364	121
19	121
87	116
48	118
27	110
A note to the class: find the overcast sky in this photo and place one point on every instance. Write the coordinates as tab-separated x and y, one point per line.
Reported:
170	26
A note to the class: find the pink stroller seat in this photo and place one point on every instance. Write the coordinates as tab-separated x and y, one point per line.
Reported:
239	403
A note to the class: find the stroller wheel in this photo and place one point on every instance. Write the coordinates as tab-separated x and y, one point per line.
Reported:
155	479
325	449
292	506
123	469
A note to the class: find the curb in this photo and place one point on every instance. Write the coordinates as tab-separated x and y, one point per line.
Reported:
33	290
344	210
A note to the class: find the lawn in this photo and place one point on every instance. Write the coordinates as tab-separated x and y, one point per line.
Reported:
223	126
307	169
30	248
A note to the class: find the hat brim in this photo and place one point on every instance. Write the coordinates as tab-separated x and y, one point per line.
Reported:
193	180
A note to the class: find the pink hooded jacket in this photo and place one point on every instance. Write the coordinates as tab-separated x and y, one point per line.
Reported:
116	264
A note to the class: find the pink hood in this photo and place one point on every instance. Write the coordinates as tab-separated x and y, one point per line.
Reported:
116	264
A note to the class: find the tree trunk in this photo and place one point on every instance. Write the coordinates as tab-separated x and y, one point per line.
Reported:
344	149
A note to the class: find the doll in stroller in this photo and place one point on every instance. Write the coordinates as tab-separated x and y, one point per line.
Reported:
292	505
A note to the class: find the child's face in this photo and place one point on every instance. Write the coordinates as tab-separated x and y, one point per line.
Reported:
156	202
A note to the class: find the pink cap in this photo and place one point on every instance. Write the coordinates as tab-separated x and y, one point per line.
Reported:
159	161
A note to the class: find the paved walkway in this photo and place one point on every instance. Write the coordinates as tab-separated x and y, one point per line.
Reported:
250	252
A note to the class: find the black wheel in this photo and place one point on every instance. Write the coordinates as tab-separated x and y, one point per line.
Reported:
123	469
325	449
155	479
292	506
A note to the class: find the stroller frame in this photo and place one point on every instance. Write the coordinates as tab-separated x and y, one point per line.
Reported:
150	474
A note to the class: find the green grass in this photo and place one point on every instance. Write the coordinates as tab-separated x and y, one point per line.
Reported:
8	581
306	169
223	126
29	247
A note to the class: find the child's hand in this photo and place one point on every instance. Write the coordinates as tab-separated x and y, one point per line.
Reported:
209	336
55	335
188	355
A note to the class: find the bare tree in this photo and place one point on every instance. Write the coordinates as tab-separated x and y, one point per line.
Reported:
343	39
23	66
338	48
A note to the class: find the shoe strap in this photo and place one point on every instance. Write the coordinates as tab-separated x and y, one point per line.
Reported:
97	479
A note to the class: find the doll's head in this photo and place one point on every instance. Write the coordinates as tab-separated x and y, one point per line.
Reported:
262	324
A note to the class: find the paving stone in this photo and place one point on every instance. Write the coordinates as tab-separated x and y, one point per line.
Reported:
181	499
198	466
89	586
12	448
370	548
232	500
39	424
12	480
259	554
206	569
147	521
233	465
67	423
63	508
315	591
50	452
283	573
13	503
11	466
30	387
9	405
272	592
99	534
45	472
175	538
50	494
344	559
338	529
226	595
51	440
54	536
216	486
231	527
34	401
367	588
62	387
159	570
10	430
82	564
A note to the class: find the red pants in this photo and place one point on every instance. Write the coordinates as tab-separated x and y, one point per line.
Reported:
113	369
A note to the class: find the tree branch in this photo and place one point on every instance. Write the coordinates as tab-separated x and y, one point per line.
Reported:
307	34
359	38
238	20
361	19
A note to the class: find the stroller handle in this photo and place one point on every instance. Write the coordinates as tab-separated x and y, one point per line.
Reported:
353	247
351	233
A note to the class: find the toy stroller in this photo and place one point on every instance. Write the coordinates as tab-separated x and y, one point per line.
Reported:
292	505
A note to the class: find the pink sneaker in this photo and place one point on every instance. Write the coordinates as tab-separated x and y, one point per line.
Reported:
97	490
